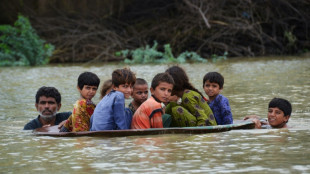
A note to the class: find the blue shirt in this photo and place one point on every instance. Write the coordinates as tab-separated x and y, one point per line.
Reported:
110	113
221	110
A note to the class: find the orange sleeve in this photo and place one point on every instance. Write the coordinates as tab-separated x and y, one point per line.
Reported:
157	120
140	119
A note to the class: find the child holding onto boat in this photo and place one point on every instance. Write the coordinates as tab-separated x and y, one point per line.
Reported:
88	83
139	95
279	112
110	113
151	113
193	109
213	83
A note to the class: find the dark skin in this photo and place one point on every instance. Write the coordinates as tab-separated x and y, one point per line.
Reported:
47	106
276	119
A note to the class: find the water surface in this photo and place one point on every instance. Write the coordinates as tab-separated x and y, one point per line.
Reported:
249	85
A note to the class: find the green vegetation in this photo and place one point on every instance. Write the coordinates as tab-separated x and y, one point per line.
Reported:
21	46
152	55
216	58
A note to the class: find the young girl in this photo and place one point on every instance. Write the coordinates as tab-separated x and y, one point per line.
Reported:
194	109
83	108
106	88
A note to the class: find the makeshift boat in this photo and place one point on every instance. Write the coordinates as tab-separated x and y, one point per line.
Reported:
141	132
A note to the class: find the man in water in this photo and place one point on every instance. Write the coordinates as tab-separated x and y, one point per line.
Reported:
48	102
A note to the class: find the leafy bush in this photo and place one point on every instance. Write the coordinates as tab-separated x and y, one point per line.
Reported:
21	46
152	55
216	58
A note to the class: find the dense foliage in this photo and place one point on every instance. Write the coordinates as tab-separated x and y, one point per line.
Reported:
152	55
85	31
20	45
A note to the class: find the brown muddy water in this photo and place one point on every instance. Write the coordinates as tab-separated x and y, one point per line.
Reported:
249	85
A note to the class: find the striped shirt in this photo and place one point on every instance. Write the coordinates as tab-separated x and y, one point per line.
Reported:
148	115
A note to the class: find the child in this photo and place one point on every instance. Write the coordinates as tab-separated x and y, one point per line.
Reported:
193	110
150	112
279	112
110	113
213	83
106	88
139	94
88	83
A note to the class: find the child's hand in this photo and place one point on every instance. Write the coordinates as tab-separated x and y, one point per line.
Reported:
47	125
257	123
61	124
249	117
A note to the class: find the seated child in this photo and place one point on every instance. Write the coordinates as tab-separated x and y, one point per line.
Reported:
110	113
192	108
213	83
105	88
88	83
150	112
279	112
139	94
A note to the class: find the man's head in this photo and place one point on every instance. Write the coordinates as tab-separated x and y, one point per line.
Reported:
140	91
123	80
162	85
279	112
48	102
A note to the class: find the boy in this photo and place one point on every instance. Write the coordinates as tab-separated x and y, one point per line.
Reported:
139	94
149	114
213	83
87	86
279	112
110	113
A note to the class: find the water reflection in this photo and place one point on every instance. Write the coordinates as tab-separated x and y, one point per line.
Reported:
249	85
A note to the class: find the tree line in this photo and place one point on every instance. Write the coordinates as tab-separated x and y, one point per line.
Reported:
85	31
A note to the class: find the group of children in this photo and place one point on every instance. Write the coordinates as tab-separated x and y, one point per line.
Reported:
174	102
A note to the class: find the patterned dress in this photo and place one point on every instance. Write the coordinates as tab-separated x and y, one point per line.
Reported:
80	118
193	111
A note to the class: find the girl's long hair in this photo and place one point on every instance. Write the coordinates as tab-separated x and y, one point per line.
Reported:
181	81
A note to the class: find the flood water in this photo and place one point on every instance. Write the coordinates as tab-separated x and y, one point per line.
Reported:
249	85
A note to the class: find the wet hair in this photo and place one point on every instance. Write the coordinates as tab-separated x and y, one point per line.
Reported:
123	76
140	81
181	80
214	77
105	87
161	77
48	92
88	78
282	104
